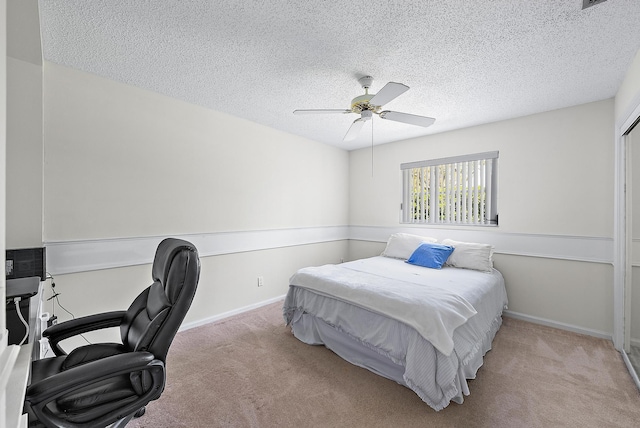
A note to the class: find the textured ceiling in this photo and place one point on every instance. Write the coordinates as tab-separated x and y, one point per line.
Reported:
466	62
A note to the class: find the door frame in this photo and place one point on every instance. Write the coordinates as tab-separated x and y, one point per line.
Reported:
620	254
621	257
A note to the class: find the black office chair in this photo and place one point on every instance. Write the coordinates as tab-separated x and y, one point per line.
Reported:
108	383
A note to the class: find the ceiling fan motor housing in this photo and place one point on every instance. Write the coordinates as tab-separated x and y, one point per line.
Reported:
361	103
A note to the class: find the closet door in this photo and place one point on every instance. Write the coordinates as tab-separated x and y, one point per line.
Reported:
632	291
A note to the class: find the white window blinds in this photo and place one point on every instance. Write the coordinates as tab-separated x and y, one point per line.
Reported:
456	190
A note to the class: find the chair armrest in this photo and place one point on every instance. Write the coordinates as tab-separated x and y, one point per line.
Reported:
43	392
95	371
59	332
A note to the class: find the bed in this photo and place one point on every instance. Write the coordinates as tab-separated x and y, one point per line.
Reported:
425	328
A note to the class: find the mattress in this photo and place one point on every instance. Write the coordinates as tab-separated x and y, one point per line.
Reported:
392	346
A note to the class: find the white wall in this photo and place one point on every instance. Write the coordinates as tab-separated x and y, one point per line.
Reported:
552	166
3	145
121	161
122	164
24	154
555	189
24	125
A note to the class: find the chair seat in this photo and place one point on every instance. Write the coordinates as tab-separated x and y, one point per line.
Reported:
88	353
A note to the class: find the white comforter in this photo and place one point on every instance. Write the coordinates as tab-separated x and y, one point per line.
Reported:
433	309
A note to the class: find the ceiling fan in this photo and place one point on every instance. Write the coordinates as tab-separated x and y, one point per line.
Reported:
367	104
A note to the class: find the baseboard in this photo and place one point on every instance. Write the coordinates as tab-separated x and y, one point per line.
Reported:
558	325
228	314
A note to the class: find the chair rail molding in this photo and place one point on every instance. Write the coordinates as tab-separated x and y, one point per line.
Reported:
564	247
80	256
64	257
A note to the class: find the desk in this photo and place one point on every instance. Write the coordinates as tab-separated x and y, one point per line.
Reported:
29	291
16	376
15	361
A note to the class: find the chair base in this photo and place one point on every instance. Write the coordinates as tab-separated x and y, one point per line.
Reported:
122	422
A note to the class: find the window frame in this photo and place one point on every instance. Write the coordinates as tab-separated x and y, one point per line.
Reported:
450	174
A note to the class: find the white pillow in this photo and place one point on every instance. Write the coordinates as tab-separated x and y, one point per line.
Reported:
468	255
402	245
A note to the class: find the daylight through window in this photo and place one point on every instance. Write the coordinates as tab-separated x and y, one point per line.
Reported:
457	190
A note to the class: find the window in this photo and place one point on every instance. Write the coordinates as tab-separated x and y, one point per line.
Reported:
456	190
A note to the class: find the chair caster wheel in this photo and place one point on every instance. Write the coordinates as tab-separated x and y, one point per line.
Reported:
140	412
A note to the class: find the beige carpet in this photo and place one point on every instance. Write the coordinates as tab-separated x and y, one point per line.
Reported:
249	371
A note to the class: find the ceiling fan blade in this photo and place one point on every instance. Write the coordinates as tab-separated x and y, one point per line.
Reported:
353	131
389	92
321	111
411	119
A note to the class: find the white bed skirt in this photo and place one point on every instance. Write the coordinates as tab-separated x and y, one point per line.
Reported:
314	331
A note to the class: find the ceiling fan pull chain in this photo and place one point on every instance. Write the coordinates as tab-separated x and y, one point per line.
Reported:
372	148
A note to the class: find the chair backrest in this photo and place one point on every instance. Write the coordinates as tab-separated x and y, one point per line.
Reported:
152	320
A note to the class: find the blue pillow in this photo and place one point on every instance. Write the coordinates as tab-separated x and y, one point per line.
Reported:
430	255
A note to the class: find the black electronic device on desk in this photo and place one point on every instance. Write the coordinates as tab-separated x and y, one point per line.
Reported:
25	263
